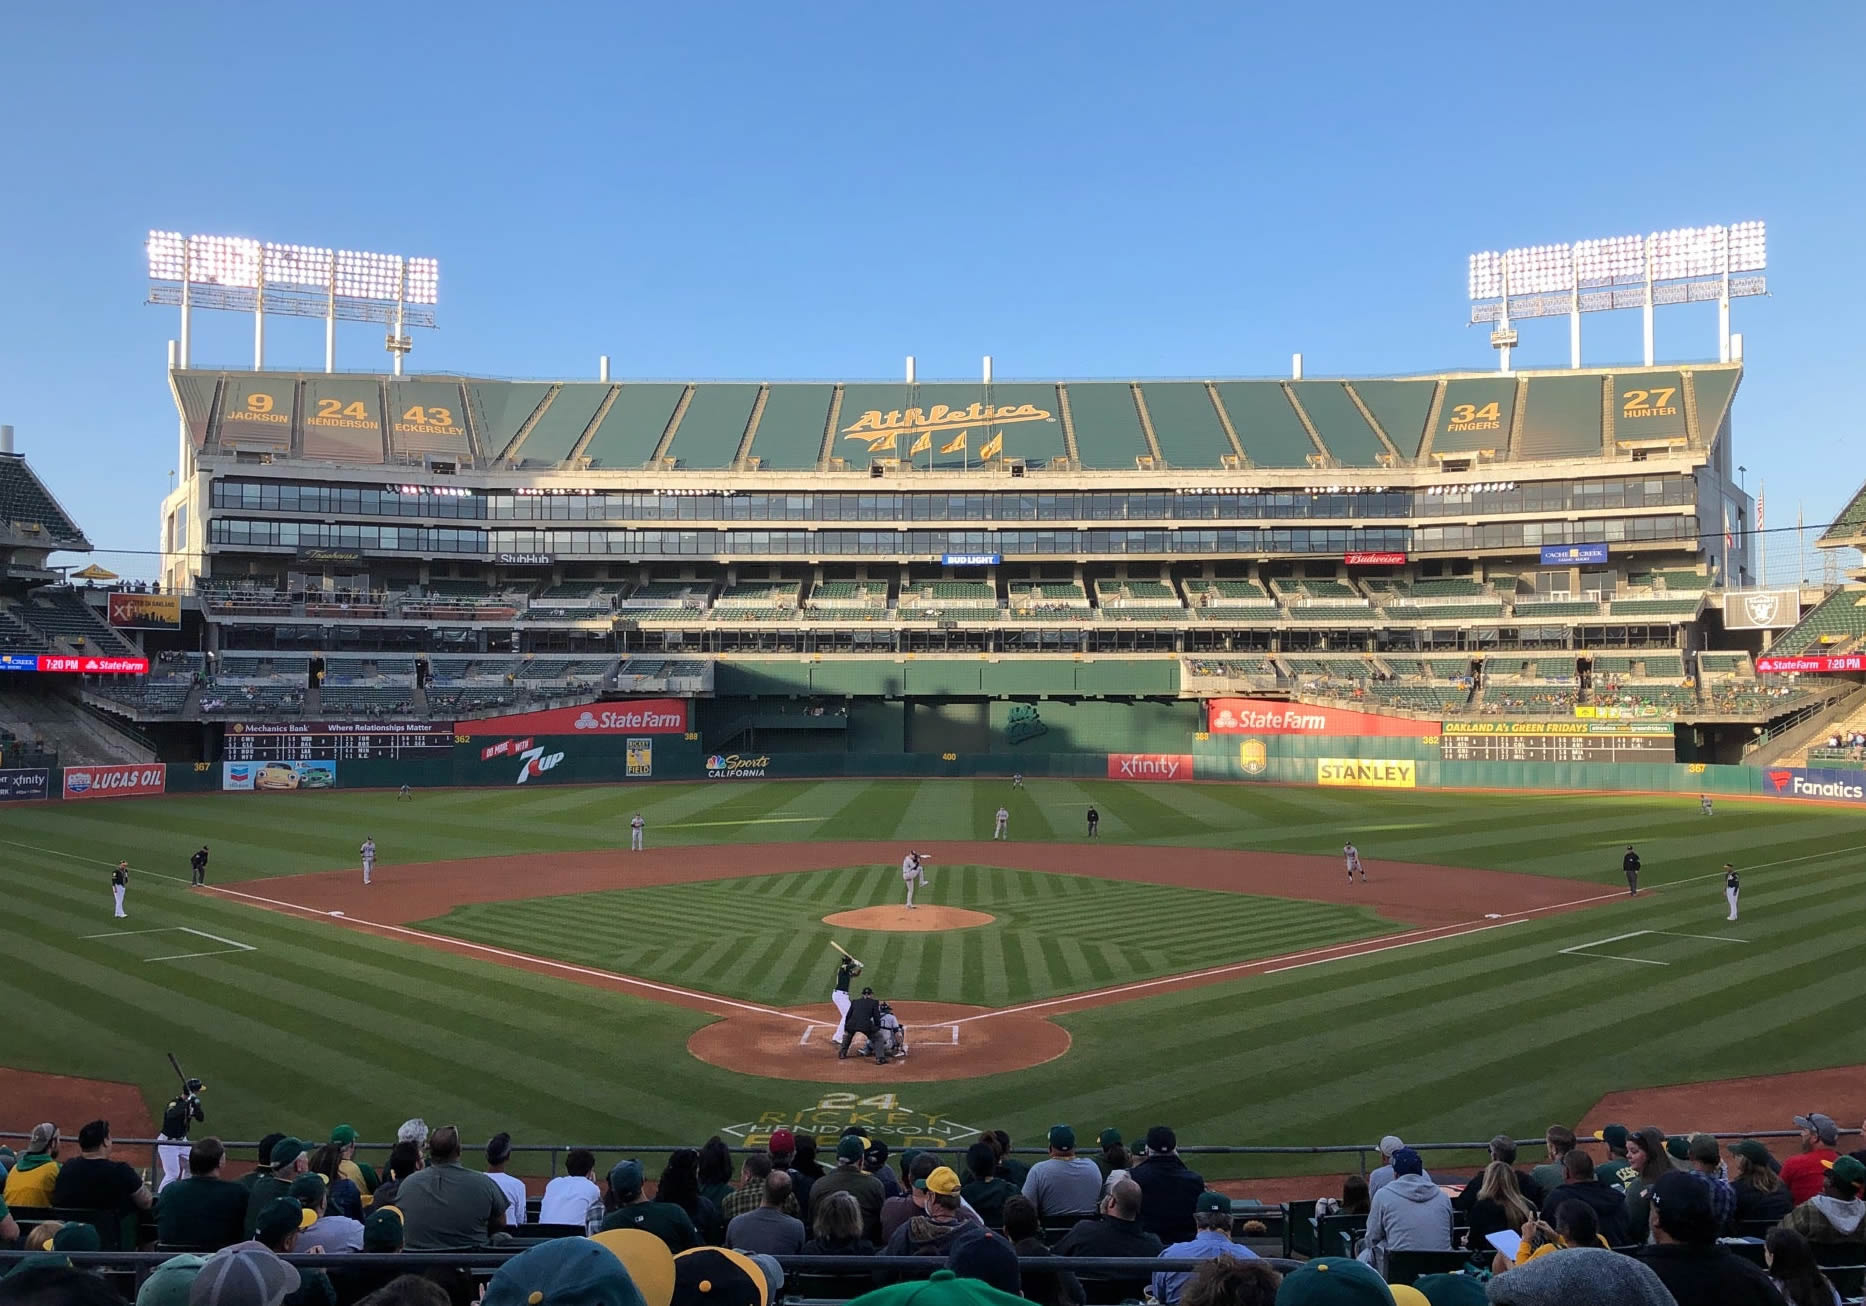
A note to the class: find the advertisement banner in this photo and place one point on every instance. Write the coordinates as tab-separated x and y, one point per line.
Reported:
1573	555
277	777
379	729
23	783
317	553
1801	782
1149	766
1267	716
145	611
640	758
737	766
1818	663
504	748
970	559
1592	728
116	781
1761	610
635	716
74	664
524	559
1374	559
1366	773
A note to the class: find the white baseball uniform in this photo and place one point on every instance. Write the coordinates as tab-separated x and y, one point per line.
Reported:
1004	823
1353	855
1704	804
119	885
635	828
845	974
369	857
912	874
1732	886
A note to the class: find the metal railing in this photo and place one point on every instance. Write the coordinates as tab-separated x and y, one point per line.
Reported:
1361	1152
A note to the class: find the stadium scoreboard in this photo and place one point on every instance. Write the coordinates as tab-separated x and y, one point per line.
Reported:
335	741
1557	741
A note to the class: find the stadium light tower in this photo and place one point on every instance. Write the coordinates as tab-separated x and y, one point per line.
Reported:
241	275
1687	265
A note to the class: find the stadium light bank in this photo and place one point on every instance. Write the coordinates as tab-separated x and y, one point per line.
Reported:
1687	265
242	275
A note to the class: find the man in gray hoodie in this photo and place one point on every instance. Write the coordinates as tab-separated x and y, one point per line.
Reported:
1835	1214
1410	1214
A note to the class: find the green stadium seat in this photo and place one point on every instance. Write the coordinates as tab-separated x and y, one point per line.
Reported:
1344	431
1267	426
1186	424
1401	408
1561	418
1107	425
713	426
501	408
791	428
1475	415
632	428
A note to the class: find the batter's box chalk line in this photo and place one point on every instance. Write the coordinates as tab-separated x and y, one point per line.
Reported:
1585	949
918	1036
232	945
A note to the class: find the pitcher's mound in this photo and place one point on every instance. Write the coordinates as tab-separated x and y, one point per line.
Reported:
921	920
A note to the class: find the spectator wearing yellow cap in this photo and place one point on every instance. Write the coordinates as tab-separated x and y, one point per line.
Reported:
932	1231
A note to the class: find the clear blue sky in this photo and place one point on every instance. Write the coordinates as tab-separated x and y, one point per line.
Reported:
817	190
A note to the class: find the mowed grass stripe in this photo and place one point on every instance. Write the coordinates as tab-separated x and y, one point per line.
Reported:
1085	933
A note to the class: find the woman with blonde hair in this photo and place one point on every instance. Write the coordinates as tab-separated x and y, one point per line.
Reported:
1500	1205
1760	1192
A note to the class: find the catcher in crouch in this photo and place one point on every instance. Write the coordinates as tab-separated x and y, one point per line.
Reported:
864	1018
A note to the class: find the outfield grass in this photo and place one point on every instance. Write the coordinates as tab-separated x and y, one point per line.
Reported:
1498	1030
763	939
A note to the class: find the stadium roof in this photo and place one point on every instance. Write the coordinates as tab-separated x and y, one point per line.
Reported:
792	426
30	518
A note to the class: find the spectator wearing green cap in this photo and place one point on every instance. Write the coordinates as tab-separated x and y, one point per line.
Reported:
1211	1218
343	1138
1064	1184
1617	1170
279	1229
848	1177
169	1284
631	1208
1114	1158
1835	1215
1760	1192
563	1272
204	1210
287	1160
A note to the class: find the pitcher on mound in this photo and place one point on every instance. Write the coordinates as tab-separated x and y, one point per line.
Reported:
913	871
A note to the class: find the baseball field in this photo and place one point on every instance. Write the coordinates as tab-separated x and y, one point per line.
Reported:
1204	962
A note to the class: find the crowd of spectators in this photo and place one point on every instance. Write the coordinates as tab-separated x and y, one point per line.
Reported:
1641	1224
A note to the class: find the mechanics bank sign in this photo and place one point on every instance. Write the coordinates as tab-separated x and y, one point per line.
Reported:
1799	782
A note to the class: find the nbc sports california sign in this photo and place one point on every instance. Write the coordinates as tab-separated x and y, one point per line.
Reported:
634	716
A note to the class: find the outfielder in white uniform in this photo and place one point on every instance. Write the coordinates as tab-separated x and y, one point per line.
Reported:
369	857
635	829
1353	855
1004	825
913	871
1732	886
120	885
1704	804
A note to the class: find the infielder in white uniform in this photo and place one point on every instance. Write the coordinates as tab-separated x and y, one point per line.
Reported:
1704	804
1353	855
635	829
369	857
1004	825
913	871
1732	886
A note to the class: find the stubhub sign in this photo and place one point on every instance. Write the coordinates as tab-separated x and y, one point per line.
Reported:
1800	782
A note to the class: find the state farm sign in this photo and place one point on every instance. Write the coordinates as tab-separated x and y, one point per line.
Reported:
1149	766
635	716
1265	716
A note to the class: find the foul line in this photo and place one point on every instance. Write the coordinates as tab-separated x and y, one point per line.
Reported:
443	940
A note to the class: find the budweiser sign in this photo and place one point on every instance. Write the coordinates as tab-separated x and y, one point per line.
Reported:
1374	559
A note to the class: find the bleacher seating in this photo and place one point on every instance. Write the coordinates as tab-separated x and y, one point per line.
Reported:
1454	588
1683	609
456	699
16	635
1231	667
1557	608
1713	662
368	700
952	600
1535	668
1466	610
1525	700
1410	696
259	700
1836	619
60	614
1314	588
1659	664
1682	581
782	593
262	665
753	612
28	508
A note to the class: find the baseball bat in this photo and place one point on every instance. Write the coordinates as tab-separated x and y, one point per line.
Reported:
177	1068
844	951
